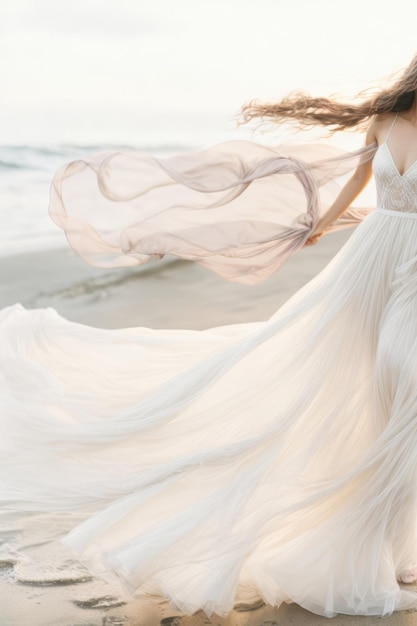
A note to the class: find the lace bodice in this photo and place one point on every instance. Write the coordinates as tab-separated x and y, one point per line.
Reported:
394	192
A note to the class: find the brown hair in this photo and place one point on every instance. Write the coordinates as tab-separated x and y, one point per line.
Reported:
307	111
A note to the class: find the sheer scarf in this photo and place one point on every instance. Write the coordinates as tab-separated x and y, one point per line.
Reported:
239	208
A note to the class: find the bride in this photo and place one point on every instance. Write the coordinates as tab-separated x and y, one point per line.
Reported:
271	460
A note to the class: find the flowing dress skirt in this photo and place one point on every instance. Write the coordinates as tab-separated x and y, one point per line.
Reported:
272	460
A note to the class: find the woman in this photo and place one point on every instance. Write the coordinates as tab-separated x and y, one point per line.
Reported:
272	460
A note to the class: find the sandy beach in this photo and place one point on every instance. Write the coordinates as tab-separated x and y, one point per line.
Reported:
168	294
163	294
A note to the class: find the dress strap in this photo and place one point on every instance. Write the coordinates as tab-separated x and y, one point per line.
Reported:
390	128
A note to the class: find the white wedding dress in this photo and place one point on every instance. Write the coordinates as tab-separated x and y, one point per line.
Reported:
272	460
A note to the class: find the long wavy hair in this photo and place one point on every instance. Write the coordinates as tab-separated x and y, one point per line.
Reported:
305	111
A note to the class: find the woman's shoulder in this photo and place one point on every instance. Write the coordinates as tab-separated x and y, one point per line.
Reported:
379	126
384	118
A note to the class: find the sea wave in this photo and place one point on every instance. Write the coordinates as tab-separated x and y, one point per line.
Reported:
40	157
11	165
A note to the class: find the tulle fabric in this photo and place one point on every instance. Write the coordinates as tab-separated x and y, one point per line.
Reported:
239	208
269	460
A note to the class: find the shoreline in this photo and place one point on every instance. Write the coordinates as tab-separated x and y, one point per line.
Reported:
170	293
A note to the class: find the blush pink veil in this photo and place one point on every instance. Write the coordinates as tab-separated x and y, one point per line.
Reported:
239	208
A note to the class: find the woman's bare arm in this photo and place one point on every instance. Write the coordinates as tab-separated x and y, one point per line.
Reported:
356	183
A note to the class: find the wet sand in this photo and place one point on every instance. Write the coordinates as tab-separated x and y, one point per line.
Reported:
162	295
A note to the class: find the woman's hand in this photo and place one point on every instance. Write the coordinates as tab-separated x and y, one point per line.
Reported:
313	239
317	234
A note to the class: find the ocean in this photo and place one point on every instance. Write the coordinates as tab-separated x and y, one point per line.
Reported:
26	173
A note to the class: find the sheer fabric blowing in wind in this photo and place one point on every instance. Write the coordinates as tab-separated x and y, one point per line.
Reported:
238	208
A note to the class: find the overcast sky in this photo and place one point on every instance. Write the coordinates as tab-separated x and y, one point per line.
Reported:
109	70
